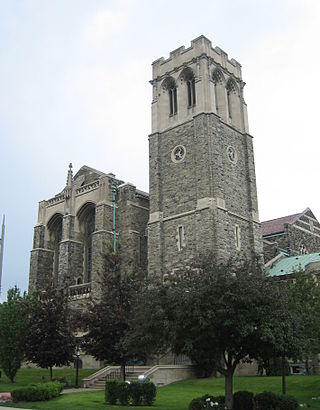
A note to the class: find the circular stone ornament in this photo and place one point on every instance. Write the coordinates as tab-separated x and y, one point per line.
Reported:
178	153
232	154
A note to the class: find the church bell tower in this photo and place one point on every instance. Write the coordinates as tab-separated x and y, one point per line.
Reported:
203	194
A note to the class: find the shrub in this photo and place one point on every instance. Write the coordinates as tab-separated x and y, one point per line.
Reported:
65	382
243	400
149	392
207	402
196	404
123	391
37	392
289	403
111	392
267	401
136	393
271	401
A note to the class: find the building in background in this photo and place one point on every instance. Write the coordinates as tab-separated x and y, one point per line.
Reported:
77	226
290	235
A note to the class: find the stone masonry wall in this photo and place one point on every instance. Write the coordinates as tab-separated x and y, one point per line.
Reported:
205	180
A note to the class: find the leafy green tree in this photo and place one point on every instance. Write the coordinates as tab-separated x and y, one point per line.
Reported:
149	332
304	292
109	319
12	332
222	314
50	339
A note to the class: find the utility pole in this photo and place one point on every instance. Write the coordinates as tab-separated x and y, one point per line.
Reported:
1	249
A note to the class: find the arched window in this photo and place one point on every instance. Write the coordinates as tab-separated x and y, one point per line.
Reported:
86	217
233	103
187	76
170	86
302	249
55	231
219	94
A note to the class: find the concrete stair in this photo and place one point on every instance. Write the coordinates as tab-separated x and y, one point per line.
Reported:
132	373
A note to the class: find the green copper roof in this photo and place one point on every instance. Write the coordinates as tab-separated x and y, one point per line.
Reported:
287	266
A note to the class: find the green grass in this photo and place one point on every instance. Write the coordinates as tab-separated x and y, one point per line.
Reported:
28	376
178	395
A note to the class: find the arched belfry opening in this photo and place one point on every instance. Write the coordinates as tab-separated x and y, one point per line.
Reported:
233	103
55	236
86	217
187	76
219	93
169	85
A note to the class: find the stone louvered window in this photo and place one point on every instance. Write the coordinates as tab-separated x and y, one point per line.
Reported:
173	100
187	76
169	86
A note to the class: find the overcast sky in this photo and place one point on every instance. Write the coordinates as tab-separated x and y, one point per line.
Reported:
74	88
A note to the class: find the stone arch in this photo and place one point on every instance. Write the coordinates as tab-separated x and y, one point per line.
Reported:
54	227
86	218
169	86
188	78
219	93
233	102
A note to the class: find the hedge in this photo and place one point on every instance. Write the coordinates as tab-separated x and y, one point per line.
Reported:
134	393
244	400
37	392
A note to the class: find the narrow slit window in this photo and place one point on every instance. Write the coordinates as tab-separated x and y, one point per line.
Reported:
180	237
237	237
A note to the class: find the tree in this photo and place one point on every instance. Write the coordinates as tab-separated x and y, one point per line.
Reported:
224	314
149	332
304	295
12	332
109	319
49	339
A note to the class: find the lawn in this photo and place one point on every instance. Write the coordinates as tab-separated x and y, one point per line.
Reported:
27	376
178	395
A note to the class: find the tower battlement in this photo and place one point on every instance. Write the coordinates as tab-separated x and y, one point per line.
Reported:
200	46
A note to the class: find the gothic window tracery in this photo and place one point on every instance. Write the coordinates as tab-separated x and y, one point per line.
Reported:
187	76
232	100
86	217
169	85
219	92
55	232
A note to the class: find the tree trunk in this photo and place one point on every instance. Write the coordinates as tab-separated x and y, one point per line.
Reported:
307	366
123	370
228	390
283	371
51	373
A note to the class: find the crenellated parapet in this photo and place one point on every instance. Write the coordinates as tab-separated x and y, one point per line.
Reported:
195	80
201	47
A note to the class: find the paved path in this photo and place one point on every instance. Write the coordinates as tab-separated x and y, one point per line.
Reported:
79	390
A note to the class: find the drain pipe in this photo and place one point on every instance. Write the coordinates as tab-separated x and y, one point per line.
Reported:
114	190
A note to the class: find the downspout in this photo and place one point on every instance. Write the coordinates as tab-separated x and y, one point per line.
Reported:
114	219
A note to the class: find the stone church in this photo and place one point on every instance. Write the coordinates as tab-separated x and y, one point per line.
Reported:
202	195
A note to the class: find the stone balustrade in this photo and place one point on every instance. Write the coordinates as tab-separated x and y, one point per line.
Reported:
86	188
80	291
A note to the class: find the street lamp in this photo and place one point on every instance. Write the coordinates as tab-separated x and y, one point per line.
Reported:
77	367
